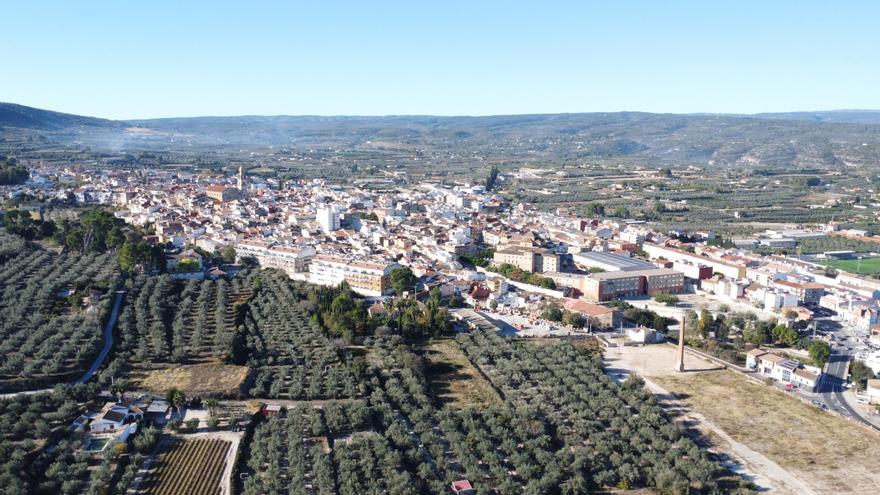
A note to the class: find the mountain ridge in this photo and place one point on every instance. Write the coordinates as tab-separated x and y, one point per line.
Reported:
8	110
649	138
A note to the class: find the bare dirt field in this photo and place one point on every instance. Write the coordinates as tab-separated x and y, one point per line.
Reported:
830	453
786	444
454	379
197	380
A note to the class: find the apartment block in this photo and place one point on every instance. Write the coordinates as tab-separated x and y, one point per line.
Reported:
328	218
533	260
365	278
608	286
805	292
292	260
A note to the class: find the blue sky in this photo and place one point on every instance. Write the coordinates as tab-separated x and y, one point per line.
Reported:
128	59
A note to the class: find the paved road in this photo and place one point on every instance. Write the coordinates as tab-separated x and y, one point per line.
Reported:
108	339
832	386
108	344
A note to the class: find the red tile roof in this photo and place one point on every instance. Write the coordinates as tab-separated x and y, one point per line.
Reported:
461	485
586	308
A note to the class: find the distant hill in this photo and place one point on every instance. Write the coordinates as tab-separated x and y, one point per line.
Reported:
653	139
831	116
801	140
13	115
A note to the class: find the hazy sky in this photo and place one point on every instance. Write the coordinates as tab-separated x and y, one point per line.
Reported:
137	59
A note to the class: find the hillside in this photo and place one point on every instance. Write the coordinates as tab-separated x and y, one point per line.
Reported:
768	140
832	116
20	116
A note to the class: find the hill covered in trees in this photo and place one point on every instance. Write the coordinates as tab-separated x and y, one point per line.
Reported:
12	115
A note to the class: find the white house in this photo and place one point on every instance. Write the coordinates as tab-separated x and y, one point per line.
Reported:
115	416
752	358
805	379
644	335
783	369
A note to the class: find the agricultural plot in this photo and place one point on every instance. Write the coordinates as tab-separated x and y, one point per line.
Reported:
702	201
610	435
47	332
563	427
501	449
291	454
180	322
454	380
193	333
367	464
401	401
212	380
293	356
546	419
188	467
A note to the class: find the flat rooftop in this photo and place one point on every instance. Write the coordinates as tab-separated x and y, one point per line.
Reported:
622	263
653	272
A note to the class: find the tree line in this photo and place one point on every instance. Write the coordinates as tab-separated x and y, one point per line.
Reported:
11	173
95	231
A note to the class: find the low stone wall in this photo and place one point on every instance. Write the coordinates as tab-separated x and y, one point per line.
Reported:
558	294
716	360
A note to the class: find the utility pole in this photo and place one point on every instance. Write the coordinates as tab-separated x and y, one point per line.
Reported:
679	367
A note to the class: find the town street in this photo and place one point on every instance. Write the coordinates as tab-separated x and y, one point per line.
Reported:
831	389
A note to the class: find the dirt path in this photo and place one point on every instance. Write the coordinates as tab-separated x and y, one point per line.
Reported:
763	472
658	361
